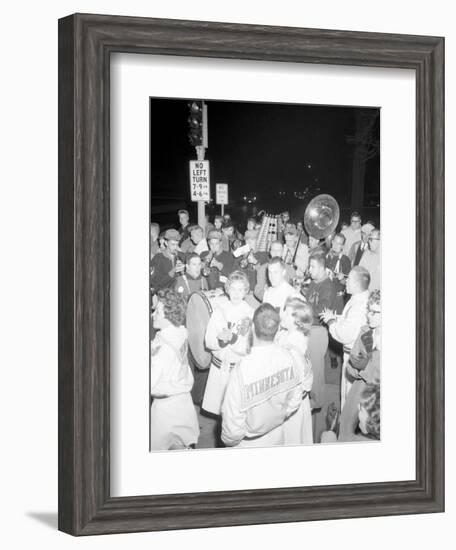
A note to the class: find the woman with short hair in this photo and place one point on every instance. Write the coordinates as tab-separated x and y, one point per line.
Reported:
173	420
227	336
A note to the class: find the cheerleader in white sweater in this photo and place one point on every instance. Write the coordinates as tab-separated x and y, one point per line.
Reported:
227	336
296	321
173	420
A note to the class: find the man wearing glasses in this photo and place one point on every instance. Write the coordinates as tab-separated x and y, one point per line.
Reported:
371	259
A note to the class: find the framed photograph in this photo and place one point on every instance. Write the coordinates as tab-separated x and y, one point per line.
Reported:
231	340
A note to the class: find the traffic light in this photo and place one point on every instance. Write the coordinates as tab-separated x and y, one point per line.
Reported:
195	122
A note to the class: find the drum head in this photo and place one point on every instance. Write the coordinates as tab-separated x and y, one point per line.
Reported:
199	311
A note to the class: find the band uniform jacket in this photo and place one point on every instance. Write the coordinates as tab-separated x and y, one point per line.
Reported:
321	295
251	270
229	265
173	420
338	263
298	426
186	284
263	391
225	356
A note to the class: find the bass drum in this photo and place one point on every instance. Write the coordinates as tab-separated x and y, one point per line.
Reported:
199	309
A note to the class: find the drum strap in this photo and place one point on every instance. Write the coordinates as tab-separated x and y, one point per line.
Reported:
203	284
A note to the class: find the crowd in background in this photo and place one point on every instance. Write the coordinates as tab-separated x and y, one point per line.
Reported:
277	314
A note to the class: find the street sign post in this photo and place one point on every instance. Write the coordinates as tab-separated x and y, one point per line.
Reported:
221	195
200	188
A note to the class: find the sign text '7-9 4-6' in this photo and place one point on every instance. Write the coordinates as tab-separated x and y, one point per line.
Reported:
200	189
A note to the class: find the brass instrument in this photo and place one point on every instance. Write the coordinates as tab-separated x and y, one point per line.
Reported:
207	264
321	216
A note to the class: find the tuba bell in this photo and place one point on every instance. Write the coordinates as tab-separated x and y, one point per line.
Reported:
321	216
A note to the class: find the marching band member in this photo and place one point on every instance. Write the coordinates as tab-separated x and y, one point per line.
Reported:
227	337
173	420
280	290
252	260
228	235
264	389
295	253
339	266
192	280
196	242
296	321
167	263
184	225
345	328
217	263
275	251
321	292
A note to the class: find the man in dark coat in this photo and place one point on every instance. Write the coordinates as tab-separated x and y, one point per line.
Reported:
217	263
166	264
339	266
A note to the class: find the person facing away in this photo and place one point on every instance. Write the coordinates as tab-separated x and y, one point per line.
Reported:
345	327
173	421
192	280
264	389
295	325
275	251
280	290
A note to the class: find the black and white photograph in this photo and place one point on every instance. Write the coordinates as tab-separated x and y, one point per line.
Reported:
265	274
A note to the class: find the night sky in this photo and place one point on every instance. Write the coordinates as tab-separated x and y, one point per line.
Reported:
257	148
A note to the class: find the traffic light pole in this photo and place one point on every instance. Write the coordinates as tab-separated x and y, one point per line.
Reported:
199	139
200	151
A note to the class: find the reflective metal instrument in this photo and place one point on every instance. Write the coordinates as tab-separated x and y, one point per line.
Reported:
321	216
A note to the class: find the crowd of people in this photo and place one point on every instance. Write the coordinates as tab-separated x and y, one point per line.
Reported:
275	315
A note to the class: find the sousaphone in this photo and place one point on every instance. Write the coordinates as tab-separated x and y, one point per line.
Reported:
321	216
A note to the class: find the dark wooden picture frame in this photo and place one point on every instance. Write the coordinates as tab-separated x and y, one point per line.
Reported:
85	45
